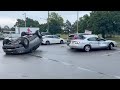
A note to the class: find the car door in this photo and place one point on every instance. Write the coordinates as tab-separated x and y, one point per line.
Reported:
56	39
102	43
50	39
93	41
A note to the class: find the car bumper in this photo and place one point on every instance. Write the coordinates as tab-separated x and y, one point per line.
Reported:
76	46
13	50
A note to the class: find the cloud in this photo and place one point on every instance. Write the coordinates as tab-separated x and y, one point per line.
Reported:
7	21
9	17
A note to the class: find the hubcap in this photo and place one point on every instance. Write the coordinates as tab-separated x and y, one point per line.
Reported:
87	48
111	46
25	41
61	42
47	43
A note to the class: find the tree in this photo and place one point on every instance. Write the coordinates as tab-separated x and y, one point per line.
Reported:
83	24
100	22
6	27
29	23
55	23
0	29
43	27
12	29
67	27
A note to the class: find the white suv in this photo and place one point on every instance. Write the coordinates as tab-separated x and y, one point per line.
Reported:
52	39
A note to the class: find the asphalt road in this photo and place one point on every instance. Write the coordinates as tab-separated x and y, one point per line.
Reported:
59	62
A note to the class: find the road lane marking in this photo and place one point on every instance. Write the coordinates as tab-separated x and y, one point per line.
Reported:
65	63
80	68
85	69
117	77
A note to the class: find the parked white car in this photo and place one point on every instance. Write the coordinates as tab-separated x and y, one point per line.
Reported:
52	39
88	42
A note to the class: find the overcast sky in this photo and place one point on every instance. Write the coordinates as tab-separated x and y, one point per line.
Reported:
9	17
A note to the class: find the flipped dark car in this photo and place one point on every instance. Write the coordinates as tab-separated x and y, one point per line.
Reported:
24	44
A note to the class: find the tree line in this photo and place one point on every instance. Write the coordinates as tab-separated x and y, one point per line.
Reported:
106	23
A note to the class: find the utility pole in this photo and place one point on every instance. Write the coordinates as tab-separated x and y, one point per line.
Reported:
48	22
25	18
77	20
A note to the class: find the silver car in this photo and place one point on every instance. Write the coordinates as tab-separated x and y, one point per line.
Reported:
89	42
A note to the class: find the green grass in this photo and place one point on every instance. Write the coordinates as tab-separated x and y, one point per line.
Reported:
64	36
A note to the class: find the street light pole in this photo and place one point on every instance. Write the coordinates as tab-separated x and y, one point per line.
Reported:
25	18
77	20
48	22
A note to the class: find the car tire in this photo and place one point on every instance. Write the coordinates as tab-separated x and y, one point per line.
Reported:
38	34
23	34
6	41
25	42
47	42
61	42
87	48
111	45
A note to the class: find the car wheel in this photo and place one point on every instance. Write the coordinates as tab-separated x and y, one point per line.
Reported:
25	42
61	42
23	34
111	45
38	34
87	48
47	43
6	41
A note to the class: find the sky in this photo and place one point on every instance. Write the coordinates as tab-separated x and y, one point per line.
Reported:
10	17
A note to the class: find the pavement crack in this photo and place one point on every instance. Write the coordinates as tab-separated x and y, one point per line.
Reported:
54	60
35	55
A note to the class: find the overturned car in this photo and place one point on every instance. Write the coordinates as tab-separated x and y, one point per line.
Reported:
24	44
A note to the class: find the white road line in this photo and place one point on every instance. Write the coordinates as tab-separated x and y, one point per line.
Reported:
85	69
65	63
117	77
81	68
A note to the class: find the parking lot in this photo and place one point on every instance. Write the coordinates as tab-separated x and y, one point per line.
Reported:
59	62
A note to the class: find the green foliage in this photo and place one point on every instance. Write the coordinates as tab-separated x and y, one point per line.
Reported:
55	23
43	27
29	23
100	22
67	27
106	23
